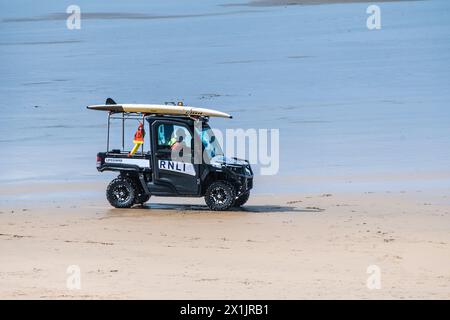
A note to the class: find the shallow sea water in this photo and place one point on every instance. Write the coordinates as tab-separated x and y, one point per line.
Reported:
347	101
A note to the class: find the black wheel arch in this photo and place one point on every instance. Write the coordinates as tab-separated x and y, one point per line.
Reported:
212	176
139	179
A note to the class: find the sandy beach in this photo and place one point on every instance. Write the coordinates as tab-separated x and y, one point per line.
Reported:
297	246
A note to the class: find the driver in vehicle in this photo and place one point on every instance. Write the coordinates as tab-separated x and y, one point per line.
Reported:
177	141
178	145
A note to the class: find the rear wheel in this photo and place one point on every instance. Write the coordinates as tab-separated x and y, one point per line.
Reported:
242	199
220	196
121	193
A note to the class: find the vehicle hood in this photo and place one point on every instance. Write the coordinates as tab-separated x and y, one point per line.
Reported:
220	160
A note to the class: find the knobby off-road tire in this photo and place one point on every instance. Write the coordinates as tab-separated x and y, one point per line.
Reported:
121	193
220	196
242	199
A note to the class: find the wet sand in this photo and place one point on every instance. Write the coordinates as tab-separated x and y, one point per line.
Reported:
277	247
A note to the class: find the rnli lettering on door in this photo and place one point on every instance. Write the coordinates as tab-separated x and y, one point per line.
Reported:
176	166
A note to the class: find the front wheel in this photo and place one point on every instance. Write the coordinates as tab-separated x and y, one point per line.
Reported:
121	193
220	196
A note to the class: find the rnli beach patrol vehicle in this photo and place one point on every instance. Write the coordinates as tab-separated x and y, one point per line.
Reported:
172	130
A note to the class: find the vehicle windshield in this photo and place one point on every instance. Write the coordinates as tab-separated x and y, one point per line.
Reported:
211	144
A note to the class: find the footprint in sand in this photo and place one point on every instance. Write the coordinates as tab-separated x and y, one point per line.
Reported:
293	201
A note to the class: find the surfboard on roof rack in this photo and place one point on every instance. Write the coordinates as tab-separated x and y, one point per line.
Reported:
182	110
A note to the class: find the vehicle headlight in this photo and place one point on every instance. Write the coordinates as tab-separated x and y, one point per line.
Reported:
247	171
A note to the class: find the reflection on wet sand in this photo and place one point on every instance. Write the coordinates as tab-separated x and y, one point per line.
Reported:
157	208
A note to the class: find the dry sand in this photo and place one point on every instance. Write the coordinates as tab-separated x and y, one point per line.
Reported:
278	247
